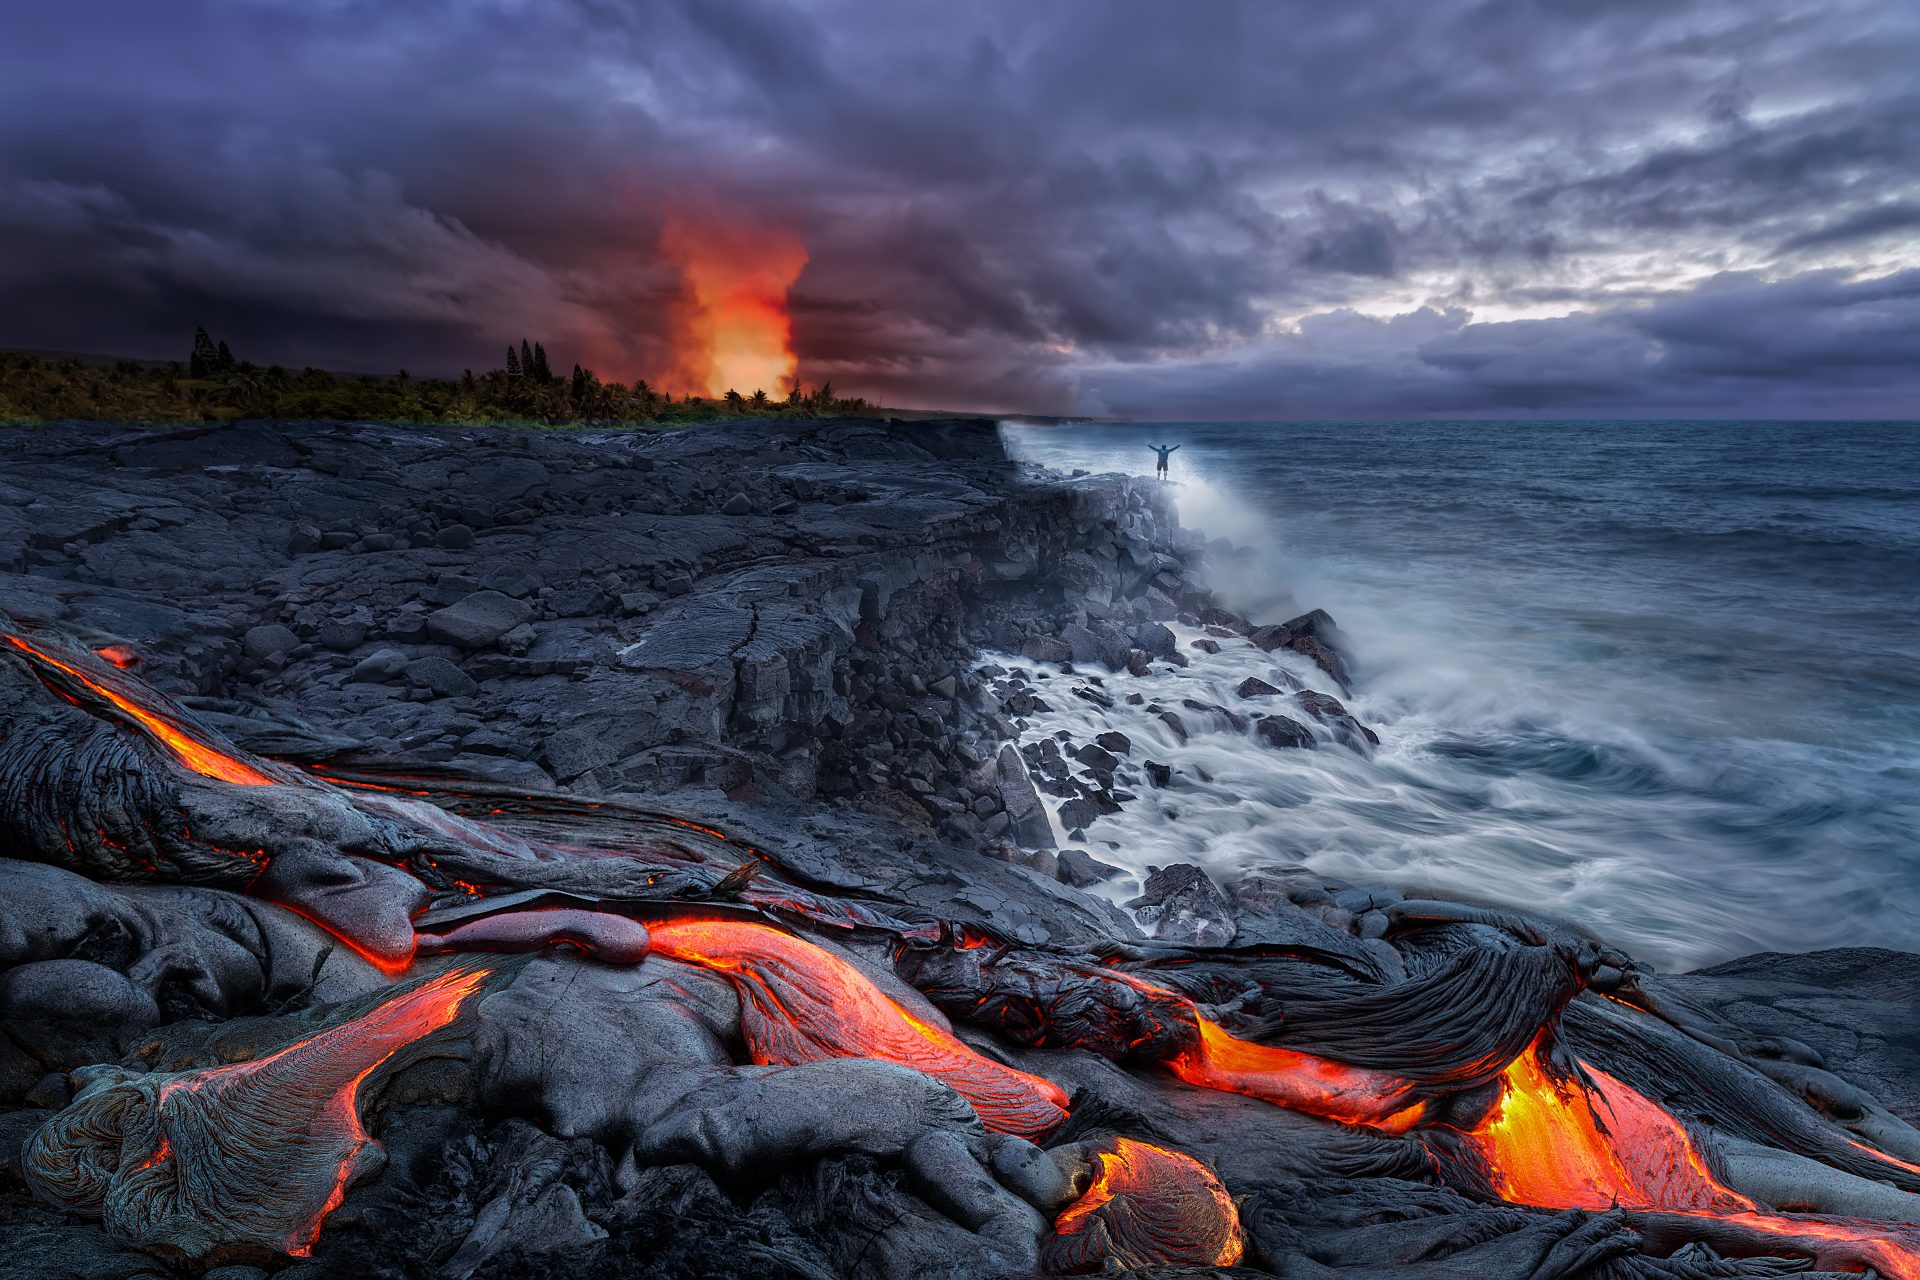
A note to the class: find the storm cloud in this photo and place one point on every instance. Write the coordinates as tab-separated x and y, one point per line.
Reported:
1104	206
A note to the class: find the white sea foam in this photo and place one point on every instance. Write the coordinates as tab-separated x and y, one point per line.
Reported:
1656	810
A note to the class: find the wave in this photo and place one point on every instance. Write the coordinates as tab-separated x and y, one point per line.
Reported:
1648	707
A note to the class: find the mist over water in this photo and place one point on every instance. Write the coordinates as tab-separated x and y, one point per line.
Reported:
1661	679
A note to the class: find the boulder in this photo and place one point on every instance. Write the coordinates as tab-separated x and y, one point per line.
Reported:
1280	731
259	643
1021	803
1154	638
383	666
1182	905
1046	649
1328	711
1082	870
1255	687
442	677
477	621
1271	638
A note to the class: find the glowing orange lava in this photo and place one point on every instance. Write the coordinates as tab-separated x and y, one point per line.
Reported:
735	333
119	655
1878	1154
194	754
1172	1210
802	1003
1545	1144
1556	1144
1298	1081
323	1062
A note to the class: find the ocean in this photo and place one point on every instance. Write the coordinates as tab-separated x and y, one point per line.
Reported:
1659	679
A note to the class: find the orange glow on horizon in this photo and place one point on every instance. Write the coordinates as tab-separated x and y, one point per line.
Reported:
736	333
195	755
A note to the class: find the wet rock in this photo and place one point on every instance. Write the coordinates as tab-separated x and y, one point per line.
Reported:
1046	649
1281	731
1255	687
1183	905
1078	813
738	505
1082	870
1114	741
1157	640
1329	711
1327	659
1097	758
454	537
1270	638
1160	775
1205	645
1027	819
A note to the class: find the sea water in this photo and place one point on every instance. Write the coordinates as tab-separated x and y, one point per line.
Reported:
1661	679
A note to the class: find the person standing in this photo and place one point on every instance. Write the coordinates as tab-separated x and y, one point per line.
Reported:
1160	468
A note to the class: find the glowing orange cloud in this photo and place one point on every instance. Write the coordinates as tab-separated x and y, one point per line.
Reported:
735	333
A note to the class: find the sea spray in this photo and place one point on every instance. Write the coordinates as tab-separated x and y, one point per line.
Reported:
1595	698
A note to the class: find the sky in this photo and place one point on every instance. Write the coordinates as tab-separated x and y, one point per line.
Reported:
1172	210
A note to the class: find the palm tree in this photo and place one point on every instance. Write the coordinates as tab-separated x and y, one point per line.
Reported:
758	400
735	401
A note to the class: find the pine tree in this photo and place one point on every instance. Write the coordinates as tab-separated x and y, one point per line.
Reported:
205	355
513	363
223	358
793	393
540	368
824	396
526	359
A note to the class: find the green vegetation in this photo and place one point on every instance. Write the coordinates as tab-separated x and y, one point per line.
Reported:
214	386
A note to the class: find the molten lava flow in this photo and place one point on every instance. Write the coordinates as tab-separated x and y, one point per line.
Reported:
736	333
1880	1155
194	754
118	655
1554	1143
1146	1206
801	1003
1298	1081
1548	1142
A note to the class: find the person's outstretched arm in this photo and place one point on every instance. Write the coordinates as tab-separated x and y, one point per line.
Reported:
1175	449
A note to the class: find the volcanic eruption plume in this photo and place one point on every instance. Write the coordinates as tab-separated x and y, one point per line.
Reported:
733	332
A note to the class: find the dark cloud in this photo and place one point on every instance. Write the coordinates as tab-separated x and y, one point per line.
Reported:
1401	208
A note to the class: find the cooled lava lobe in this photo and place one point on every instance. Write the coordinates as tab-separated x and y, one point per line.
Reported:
682	1001
1145	1205
256	1153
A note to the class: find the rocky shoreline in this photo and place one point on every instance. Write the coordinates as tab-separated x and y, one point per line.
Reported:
788	631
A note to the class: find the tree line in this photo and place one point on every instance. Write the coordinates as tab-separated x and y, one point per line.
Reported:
213	385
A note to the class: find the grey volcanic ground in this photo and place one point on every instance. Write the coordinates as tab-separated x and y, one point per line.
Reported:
776	629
